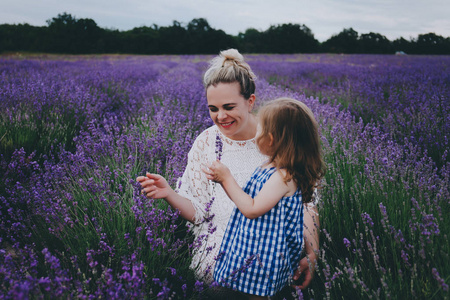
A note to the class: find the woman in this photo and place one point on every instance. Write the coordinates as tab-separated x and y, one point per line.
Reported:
230	92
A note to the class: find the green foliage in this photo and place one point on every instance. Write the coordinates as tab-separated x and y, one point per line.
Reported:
349	41
67	34
380	218
344	42
289	38
41	132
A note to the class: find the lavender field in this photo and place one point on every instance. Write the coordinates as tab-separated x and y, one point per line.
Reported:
75	131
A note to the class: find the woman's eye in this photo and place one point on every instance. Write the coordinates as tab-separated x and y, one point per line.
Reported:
213	109
229	107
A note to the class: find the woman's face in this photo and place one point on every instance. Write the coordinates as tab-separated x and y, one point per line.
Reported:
230	111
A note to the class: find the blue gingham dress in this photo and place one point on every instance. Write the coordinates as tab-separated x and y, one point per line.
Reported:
260	256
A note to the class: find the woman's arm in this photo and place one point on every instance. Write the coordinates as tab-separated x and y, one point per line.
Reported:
156	186
311	228
193	191
272	191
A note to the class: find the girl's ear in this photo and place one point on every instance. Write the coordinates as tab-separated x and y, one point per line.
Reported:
270	139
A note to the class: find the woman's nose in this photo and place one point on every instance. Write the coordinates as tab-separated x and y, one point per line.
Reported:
221	115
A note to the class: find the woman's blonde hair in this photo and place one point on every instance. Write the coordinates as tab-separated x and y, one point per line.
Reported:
296	143
228	67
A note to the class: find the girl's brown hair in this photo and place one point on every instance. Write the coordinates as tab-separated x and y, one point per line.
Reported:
296	143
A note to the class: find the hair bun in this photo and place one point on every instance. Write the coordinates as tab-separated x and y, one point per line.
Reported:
233	55
228	67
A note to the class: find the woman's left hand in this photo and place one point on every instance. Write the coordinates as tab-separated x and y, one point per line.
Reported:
303	275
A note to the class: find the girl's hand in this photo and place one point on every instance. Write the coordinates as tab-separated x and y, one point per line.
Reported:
217	172
154	186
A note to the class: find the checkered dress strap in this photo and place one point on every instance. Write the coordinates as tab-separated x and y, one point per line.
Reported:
259	256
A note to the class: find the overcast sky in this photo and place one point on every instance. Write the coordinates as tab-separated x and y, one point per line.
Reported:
391	18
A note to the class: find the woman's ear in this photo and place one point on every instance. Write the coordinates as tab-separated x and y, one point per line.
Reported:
251	102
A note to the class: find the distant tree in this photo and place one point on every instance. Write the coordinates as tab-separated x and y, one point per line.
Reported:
22	37
87	35
199	32
403	45
113	41
67	34
199	26
70	35
7	38
431	43
289	38
344	42
374	43
141	40
220	40
173	39
203	39
60	31
251	41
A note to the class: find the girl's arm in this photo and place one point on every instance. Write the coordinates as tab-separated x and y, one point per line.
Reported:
272	191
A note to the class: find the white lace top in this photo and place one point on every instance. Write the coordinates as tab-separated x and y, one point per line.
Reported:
241	157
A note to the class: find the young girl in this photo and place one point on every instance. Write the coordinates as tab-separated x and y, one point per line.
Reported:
263	241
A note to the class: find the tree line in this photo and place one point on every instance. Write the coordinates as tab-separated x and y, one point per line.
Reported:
66	34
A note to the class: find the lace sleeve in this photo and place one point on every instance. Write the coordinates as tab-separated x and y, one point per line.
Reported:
315	202
194	185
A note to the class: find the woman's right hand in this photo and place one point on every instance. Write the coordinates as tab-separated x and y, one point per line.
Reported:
154	186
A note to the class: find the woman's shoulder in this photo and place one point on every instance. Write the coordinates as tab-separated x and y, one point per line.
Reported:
210	131
205	139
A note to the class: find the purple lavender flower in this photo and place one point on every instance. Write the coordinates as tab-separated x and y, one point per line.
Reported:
441	281
347	243
219	146
367	219
199	286
102	121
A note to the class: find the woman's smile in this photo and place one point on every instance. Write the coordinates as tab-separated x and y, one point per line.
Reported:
226	125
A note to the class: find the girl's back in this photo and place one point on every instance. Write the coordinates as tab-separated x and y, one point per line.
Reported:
258	256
